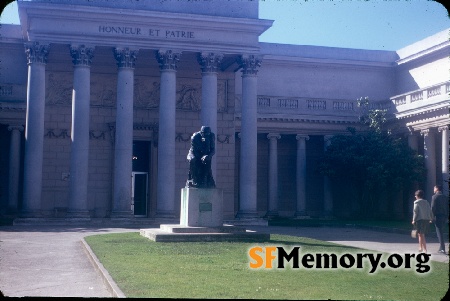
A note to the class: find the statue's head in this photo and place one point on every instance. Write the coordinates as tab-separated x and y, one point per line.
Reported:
205	131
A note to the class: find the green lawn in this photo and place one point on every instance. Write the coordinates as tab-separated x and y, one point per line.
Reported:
143	268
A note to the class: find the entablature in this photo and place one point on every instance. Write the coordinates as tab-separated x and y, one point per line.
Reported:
139	29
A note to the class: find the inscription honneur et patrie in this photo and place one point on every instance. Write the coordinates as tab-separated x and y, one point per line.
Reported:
150	32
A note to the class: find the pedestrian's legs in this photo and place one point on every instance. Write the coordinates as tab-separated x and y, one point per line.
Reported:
422	242
419	237
439	224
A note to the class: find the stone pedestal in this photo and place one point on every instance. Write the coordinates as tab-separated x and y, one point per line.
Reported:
201	207
201	219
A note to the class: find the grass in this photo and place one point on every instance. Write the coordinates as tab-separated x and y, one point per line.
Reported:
143	268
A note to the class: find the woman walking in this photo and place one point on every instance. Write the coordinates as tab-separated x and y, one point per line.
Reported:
422	218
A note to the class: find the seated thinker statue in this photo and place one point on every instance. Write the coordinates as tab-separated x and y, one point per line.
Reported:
200	154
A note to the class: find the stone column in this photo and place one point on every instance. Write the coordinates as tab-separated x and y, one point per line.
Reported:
123	148
14	168
430	161
327	193
34	129
79	156
301	174
249	146
165	204
413	141
208	115
445	154
273	174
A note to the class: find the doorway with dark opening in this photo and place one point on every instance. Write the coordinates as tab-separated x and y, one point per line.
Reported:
140	178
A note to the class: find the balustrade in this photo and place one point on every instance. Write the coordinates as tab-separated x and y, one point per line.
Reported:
426	94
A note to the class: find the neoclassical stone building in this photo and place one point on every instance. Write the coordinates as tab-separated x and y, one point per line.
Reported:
98	100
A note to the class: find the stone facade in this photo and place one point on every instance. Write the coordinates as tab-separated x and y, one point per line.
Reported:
102	77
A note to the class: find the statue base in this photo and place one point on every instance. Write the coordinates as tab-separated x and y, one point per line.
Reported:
201	219
201	207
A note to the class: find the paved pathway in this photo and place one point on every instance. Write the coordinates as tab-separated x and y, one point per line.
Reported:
366	239
50	260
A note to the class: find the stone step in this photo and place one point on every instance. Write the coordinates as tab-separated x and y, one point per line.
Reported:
159	235
183	229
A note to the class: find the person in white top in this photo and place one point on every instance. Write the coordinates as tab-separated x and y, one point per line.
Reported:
422	217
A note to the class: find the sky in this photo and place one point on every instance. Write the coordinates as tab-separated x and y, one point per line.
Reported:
370	24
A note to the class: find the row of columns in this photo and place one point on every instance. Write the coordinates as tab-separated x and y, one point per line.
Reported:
168	59
429	147
300	177
82	57
430	165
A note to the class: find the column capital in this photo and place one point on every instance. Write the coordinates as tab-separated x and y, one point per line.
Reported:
443	128
125	57
81	55
36	52
273	136
19	128
427	132
302	136
168	59
249	63
210	61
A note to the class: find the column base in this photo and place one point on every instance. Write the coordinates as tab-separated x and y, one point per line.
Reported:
301	214
122	214
78	214
328	214
247	214
272	213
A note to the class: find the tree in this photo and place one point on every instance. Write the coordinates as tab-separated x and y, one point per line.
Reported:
372	166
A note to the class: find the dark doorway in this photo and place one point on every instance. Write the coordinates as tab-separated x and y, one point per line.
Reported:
140	179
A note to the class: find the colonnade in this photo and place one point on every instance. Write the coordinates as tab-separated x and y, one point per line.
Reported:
430	152
121	204
300	177
82	56
429	147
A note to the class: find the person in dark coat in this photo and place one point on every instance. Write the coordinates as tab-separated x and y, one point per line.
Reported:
203	148
439	206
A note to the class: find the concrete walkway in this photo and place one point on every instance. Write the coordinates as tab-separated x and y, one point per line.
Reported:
51	260
365	239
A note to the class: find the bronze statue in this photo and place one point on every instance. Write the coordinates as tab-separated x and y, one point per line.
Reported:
203	147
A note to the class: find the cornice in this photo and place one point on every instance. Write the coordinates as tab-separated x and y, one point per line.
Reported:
420	54
428	123
444	106
290	60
